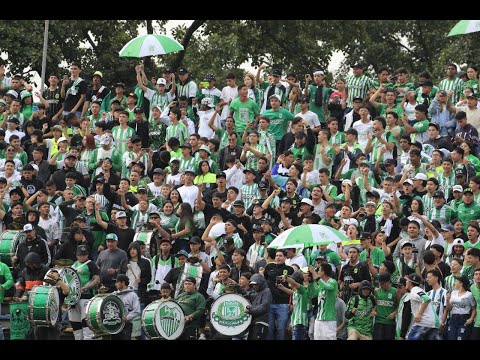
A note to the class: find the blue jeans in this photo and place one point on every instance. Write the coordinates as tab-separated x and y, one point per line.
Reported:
299	332
277	321
422	333
457	330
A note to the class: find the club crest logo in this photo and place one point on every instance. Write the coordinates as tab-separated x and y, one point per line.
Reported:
171	320
111	314
230	313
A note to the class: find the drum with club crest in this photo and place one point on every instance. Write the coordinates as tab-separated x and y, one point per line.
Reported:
19	323
9	241
70	277
163	319
104	314
43	305
228	316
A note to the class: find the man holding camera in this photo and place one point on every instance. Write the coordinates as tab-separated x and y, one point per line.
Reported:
278	317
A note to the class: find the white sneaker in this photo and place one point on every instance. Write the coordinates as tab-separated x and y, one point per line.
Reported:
202	337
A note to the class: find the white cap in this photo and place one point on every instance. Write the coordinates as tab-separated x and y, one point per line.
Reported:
307	201
348	182
105	139
161	81
276	97
457	188
207	101
420	176
63	138
173	159
28	227
408	181
350	221
319	72
458	241
370	203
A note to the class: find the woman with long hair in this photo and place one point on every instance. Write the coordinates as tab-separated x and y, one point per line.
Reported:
458	230
205	175
352	235
168	218
198	220
472	79
253	92
176	199
86	151
183	228
462	307
470	153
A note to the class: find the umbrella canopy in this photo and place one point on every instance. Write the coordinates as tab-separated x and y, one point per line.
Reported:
307	235
150	45
465	27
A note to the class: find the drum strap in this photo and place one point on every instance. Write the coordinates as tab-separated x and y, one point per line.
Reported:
82	265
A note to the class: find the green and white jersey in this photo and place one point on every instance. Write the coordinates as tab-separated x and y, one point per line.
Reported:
407	86
421	100
357	86
444	215
377	256
466	213
445	183
472	84
386	304
78	190
362	321
476	295
255	252
318	162
428	205
179	131
450	283
93	120
338	138
188	164
363	191
138	220
429	317
318	110
398	319
128	158
252	160
268	140
212	93
327	295
421	134
189	89
156	99
278	121
377	146
249	193
469	245
455	86
438	300
157	133
243	112
468	271
237	241
121	136
383	109
300	303
402	267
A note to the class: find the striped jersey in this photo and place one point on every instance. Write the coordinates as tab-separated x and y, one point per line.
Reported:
188	164
327	295
103	200
249	193
398	319
268	140
338	138
121	136
427	205
455	86
377	146
300	302
318	160
212	93
255	252
444	215
138	220
450	283
179	131
446	183
252	160
429	317
357	86
438	300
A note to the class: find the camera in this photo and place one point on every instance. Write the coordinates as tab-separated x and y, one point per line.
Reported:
278	280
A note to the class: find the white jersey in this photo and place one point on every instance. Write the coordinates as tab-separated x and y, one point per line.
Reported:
156	190
203	119
429	318
363	130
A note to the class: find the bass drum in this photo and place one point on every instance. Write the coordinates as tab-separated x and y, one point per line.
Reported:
70	277
43	305
19	323
104	314
163	319
228	316
9	241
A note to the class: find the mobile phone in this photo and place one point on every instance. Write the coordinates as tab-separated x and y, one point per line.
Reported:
205	83
278	280
35	107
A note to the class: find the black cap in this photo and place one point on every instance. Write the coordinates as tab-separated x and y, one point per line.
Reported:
120	84
168	70
277	72
460	172
438	194
158	171
321	257
304	99
402	281
373	193
100	179
365	284
195	240
209	77
263	185
365	236
82	250
472	96
222	174
250	171
300	134
257	227
138	110
229	240
182	70
390	161
265	220
133	95
80	217
357	65
186	145
286	199
238	203
141	164
427	83
190	279
135	138
414	278
13	120
384	277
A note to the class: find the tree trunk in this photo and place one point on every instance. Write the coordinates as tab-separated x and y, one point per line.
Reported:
186	40
148	63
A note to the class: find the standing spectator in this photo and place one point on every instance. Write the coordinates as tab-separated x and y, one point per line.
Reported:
462	307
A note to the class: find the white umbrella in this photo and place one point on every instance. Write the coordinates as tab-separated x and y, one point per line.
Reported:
306	236
465	27
150	45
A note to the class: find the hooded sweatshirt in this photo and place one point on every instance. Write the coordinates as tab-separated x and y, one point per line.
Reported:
141	268
260	301
130	301
28	278
418	243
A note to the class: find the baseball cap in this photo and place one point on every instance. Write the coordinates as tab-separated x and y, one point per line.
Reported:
205	148
357	65
25	94
458	188
275	96
238	203
347	182
365	236
250	171
364	162
161	81
186	145
189	171
414	278
111	236
427	83
262	185
420	176
222	174
28	227
447	227
98	73
181	253
138	110
12	93
408	181
120	84
276	72
287	200
459	172
162	240
257	227
438	194
307	201
467	190
471	96
195	240
229	240
390	161
372	203
321	257
266	220
304	99
209	77
406	244
174	159
458	241
207	101
158	171
365	284
82	250
373	193
69	154
182	70
168	70
121	214
80	217
13	120
141	188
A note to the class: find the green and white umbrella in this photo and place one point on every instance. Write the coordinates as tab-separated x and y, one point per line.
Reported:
150	45
465	27
307	235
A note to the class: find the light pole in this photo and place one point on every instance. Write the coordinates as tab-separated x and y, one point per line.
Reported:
44	56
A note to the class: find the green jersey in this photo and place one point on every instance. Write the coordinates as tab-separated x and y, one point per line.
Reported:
455	86
188	164
383	109
445	215
300	302
252	159
327	295
157	133
377	256
469	245
377	146
318	162
362	321
243	112
121	136
471	84
179	131
319	110
278	121
358	87
476	295
386	304
446	183
469	212
421	134
406	86
338	138
428	205
468	271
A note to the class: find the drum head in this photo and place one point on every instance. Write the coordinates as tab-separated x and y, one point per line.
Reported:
170	321
70	277
228	316
112	312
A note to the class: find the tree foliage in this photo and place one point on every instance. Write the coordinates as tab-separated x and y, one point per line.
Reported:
222	46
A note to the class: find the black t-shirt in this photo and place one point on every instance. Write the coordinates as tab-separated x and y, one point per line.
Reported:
79	89
96	95
209	211
125	236
272	270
